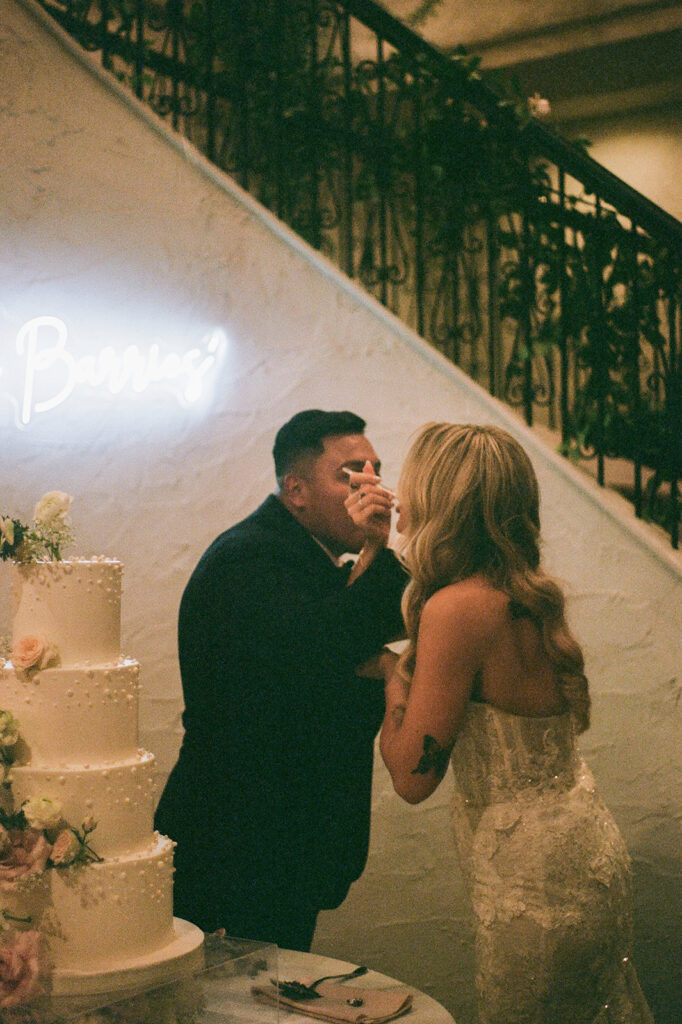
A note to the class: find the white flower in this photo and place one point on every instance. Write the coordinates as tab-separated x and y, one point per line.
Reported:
41	812
9	729
53	509
538	106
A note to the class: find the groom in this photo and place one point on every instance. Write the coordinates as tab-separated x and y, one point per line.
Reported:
269	801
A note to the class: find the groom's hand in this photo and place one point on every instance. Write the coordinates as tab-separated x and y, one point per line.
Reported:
380	666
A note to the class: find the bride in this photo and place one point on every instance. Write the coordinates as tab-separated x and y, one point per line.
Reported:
492	681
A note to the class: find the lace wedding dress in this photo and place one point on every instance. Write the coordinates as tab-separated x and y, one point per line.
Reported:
549	876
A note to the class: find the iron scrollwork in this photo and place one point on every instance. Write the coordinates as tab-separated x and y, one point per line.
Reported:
392	159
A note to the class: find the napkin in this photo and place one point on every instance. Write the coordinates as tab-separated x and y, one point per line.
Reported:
378	1005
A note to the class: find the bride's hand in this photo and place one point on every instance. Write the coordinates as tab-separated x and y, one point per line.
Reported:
369	505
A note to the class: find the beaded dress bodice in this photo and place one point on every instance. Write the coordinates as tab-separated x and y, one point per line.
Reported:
548	872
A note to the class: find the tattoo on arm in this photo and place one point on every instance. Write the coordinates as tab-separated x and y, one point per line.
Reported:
434	758
398	713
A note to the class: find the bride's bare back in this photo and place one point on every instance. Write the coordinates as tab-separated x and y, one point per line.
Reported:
517	674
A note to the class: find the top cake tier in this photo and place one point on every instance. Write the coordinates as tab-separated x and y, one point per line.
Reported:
75	606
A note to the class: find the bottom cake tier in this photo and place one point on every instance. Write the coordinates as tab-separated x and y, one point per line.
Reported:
100	915
101	919
73	991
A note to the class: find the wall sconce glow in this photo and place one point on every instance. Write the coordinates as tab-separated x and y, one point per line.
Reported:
50	373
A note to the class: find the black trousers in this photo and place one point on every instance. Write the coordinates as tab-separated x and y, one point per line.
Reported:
288	922
278	914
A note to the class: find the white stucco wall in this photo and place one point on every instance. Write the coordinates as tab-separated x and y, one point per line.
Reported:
112	225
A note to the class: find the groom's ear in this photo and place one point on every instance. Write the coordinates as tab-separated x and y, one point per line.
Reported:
294	489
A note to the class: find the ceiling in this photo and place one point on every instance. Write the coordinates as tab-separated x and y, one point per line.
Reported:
583	55
489	24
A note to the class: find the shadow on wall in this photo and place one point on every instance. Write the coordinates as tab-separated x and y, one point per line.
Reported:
658	943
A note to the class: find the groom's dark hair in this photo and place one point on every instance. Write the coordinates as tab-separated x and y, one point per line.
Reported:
305	433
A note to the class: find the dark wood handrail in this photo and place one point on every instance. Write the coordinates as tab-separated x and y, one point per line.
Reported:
540	138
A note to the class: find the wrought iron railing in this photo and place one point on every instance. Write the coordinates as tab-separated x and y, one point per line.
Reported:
542	275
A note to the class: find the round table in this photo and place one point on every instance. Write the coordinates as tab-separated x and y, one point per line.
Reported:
292	965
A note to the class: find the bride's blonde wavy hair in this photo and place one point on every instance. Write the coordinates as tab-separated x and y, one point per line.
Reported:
473	508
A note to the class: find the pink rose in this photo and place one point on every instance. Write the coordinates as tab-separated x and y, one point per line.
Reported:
27	855
20	966
27	652
32	652
65	848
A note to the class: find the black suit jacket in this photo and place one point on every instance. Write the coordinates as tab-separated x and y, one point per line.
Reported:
273	783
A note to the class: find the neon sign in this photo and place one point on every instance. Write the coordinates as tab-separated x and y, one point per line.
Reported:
50	372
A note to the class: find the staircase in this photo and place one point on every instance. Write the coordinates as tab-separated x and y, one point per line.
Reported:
547	279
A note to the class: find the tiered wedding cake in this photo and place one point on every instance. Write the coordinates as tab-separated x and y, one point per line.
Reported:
94	879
